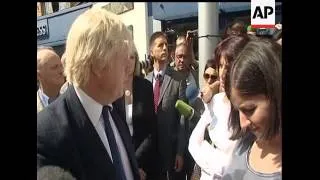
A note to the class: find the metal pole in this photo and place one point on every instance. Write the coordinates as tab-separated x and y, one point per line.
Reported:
208	24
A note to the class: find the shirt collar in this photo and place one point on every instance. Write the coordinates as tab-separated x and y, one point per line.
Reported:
43	97
162	71
92	107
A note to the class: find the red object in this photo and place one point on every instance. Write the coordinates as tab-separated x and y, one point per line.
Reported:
156	92
263	26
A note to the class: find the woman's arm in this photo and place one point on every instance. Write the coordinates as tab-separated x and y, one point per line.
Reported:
210	159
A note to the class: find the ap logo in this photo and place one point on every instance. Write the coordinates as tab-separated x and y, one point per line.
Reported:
263	13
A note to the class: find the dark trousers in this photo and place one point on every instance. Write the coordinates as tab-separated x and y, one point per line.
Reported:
170	175
188	165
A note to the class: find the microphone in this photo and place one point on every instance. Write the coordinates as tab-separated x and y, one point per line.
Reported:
186	110
53	173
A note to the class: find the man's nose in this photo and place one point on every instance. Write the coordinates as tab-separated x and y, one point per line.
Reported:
165	47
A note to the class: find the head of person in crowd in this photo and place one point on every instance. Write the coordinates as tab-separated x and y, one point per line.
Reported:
135	68
182	58
210	74
277	36
181	39
159	48
49	71
255	90
54	173
236	27
226	52
97	50
188	40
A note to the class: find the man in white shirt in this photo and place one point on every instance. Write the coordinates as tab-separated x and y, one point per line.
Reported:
49	75
83	131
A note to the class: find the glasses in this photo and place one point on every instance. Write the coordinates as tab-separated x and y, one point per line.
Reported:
212	76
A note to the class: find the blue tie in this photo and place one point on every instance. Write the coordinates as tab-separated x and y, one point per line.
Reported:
113	145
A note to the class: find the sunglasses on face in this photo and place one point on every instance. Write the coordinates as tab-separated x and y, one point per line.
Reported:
212	76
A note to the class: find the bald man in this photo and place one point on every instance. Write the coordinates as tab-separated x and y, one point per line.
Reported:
49	75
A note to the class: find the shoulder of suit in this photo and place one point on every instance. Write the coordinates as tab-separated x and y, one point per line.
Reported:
52	121
178	76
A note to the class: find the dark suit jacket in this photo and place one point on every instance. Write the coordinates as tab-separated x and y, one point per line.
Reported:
171	128
67	138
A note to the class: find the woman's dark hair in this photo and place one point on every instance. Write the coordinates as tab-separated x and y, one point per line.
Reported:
211	63
236	27
229	48
257	70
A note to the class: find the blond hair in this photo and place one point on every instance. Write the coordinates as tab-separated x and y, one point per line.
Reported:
94	37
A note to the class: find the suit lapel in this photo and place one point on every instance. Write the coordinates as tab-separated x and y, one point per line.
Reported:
196	77
126	139
90	146
165	83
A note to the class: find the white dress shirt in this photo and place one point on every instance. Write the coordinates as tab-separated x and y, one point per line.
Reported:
129	117
43	98
94	111
212	160
155	73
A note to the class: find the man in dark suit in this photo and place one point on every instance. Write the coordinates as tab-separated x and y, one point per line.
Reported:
168	87
82	131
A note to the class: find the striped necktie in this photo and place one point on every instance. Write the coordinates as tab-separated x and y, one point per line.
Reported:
156	91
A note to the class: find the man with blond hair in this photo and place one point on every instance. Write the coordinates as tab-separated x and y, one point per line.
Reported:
82	132
49	75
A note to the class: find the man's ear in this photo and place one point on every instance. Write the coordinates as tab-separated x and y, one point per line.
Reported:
151	52
96	69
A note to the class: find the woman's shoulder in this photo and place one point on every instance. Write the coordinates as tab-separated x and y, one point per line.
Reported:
140	81
219	96
219	101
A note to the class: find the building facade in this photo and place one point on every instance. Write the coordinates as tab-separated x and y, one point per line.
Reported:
142	18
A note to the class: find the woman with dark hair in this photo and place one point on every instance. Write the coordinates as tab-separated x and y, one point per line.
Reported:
236	27
211	85
213	157
254	89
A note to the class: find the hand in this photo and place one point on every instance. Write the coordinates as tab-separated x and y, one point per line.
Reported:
215	87
209	91
143	175
188	38
278	26
178	165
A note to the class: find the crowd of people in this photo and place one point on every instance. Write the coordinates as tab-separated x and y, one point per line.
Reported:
101	115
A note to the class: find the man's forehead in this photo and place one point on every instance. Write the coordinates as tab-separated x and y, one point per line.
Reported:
160	39
47	55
